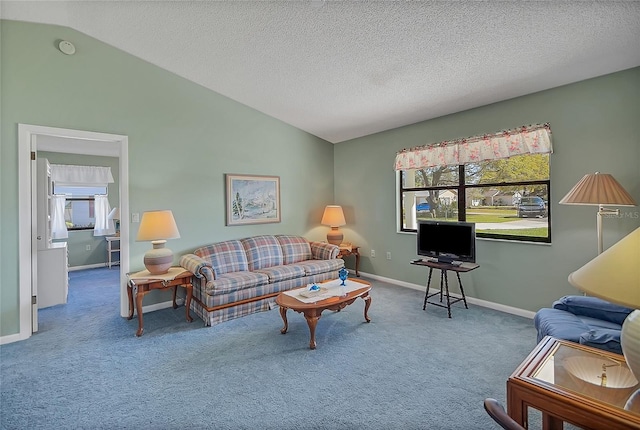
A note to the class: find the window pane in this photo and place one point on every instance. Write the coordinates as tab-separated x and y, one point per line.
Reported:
530	167
430	177
79	192
510	211
429	205
79	214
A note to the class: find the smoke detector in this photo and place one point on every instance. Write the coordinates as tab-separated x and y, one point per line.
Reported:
66	47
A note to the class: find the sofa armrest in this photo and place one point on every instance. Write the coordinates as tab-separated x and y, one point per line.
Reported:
324	251
199	267
593	307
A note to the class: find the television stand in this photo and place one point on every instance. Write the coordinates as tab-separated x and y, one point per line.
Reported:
444	268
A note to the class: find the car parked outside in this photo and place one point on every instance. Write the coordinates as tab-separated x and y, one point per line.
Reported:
532	206
423	207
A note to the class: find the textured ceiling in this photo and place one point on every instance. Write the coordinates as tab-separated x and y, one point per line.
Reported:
341	70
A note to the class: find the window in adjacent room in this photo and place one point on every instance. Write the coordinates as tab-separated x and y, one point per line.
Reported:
79	210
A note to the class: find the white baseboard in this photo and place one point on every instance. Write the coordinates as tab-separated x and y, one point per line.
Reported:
485	304
92	266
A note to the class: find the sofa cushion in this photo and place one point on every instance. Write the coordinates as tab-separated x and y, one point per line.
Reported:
559	324
225	257
593	307
235	281
313	267
597	323
294	248
262	251
282	273
606	339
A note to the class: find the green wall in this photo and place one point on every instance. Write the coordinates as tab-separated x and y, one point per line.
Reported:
79	239
594	129
182	140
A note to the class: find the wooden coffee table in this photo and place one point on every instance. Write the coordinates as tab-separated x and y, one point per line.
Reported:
313	310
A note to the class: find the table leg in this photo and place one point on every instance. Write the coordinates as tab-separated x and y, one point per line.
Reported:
464	299
130	295
446	285
549	422
139	296
187	303
516	408
426	294
283	314
175	290
357	254
367	303
312	322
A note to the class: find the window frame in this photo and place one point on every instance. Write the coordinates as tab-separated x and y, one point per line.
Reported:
462	188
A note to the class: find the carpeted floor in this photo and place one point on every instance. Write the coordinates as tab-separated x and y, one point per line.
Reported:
408	368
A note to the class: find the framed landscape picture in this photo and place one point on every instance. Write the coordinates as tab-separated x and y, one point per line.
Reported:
252	199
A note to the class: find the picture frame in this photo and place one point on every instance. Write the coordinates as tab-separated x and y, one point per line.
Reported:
252	199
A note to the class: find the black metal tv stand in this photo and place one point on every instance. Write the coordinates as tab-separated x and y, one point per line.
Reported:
444	268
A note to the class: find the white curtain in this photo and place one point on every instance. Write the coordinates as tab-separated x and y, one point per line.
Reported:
104	225
87	176
530	139
58	225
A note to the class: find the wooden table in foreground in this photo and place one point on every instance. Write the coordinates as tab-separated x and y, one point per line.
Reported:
563	380
143	282
312	311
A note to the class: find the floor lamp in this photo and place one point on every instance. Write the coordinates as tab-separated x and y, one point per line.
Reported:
598	189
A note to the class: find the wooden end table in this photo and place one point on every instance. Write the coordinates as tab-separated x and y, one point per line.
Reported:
313	310
142	282
354	250
563	380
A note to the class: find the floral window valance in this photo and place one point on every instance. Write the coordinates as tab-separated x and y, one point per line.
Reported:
69	175
530	139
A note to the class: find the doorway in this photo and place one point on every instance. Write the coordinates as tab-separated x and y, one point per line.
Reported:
33	138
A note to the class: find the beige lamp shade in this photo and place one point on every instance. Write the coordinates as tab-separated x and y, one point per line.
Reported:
614	276
598	189
157	226
334	217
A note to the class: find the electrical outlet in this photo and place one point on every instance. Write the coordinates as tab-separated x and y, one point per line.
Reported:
88	247
135	217
388	255
373	253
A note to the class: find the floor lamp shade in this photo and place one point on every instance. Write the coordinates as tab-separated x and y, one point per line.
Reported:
334	217
157	227
599	189
614	276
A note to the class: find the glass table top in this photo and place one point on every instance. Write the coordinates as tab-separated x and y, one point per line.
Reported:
592	375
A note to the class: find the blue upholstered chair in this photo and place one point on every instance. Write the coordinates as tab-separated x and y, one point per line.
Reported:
581	319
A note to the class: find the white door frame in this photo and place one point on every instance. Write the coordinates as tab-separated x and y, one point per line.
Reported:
69	141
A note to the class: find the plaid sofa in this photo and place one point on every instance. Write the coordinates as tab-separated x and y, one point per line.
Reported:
235	278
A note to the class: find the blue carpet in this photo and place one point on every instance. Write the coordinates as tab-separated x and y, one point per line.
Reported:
408	368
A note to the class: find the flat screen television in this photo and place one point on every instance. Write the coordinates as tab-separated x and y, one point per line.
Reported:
447	241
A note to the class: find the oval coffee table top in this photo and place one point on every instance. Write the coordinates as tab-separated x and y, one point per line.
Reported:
290	302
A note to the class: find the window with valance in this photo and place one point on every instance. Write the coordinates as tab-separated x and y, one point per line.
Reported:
488	179
85	191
